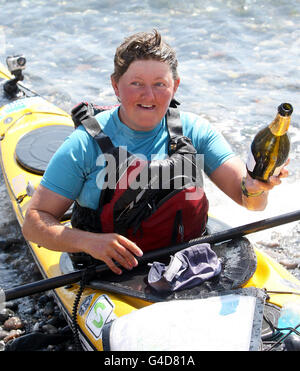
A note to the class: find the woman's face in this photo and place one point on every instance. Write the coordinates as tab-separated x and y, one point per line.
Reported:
145	91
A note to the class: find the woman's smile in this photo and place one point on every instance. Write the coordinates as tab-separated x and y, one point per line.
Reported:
148	107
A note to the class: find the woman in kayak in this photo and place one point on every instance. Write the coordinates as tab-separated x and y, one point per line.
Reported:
145	81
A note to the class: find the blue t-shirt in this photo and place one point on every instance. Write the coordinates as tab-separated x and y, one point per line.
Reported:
75	171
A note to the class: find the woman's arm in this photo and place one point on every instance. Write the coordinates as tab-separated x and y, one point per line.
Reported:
42	226
228	177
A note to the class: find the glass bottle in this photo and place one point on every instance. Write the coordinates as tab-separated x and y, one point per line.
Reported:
270	147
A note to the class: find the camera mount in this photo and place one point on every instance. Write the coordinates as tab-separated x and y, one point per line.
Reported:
16	64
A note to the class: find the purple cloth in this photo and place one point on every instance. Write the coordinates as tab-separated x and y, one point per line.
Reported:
187	268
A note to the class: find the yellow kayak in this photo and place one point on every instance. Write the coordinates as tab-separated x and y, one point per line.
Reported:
124	313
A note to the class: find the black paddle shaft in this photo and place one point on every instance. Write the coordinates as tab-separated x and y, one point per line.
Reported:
229	234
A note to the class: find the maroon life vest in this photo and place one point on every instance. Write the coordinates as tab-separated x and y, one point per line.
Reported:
153	203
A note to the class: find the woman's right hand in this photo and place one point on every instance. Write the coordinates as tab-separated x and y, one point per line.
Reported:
112	248
42	226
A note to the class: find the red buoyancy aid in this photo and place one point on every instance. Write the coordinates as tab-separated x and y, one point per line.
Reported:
153	203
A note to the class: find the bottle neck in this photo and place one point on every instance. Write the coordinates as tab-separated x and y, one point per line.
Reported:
280	125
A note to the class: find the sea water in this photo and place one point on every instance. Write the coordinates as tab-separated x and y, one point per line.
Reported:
238	60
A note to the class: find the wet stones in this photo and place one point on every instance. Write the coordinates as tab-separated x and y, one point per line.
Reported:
282	250
5	314
13	334
270	243
11	326
289	264
3	333
13	323
36	326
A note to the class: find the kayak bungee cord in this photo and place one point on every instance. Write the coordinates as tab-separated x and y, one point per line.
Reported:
74	312
278	331
89	271
292	330
282	292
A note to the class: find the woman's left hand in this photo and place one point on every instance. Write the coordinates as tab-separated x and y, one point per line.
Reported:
254	185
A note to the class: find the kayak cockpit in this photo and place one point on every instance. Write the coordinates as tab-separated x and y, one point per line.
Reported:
237	258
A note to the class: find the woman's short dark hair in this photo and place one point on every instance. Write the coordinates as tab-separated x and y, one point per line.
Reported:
143	46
